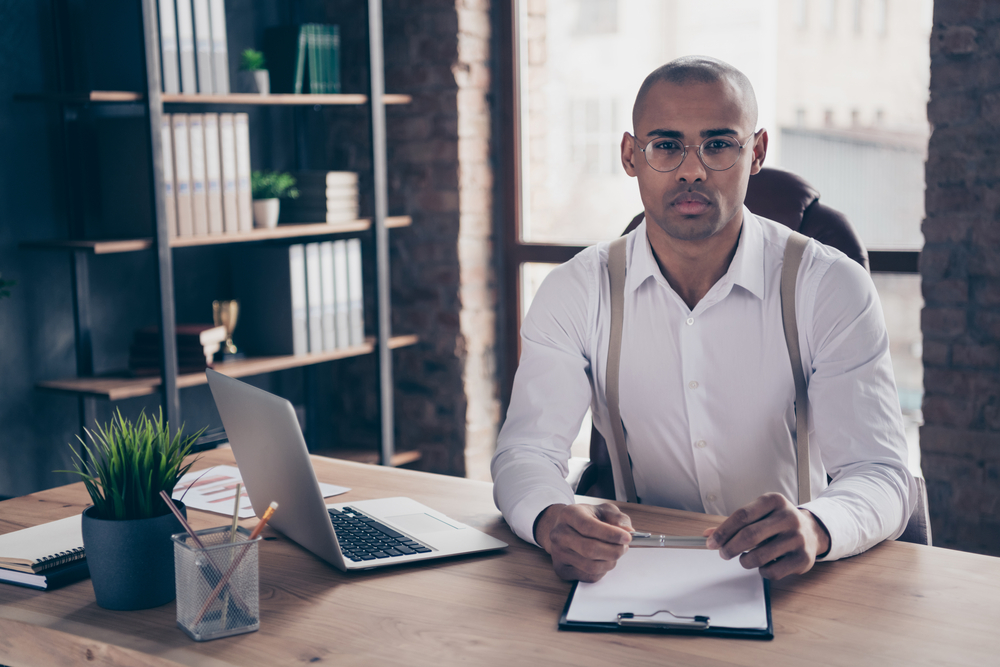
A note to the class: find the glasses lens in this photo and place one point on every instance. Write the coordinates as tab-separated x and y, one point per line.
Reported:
664	154
720	153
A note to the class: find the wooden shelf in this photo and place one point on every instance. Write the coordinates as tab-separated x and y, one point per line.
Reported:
105	96
105	247
118	387
370	456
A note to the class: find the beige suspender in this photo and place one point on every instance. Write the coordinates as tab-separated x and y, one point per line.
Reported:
620	465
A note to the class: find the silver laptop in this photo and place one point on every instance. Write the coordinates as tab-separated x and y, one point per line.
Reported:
274	462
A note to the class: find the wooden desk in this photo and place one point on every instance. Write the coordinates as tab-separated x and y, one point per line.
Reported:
896	604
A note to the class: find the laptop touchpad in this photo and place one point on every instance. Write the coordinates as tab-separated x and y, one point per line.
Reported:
419	523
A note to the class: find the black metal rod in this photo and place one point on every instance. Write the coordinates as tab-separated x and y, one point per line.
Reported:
379	147
161	235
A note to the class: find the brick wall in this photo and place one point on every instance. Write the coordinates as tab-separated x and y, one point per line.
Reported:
960	268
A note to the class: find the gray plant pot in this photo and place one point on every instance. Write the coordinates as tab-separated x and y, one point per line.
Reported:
131	562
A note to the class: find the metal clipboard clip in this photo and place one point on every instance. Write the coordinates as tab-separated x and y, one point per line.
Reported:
629	619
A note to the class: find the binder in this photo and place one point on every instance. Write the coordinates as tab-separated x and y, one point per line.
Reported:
185	41
203	46
328	288
270	283
331	35
244	194
213	174
220	49
169	196
355	293
182	175
314	298
341	298
199	190
680	591
168	48
227	150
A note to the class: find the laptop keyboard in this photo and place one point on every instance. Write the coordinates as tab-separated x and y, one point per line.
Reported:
363	538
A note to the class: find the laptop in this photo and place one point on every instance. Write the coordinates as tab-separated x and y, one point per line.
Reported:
274	462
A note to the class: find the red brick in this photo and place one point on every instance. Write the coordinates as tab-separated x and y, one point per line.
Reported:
976	356
942	322
950	198
953	228
987	323
935	261
953	109
950	382
946	411
936	353
945	292
984	261
954	40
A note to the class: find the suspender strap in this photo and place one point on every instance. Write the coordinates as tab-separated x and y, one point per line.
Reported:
621	467
789	272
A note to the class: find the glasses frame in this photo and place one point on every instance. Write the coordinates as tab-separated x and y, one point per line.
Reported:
701	157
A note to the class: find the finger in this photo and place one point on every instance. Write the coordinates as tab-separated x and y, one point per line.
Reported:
757	533
780	547
708	531
610	514
744	516
784	566
590	523
567	541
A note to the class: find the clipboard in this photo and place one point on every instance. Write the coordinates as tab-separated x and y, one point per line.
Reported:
638	594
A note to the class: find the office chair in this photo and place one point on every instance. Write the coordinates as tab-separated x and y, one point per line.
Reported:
786	198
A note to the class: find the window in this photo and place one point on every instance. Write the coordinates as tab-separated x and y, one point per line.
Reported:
596	17
800	117
828	117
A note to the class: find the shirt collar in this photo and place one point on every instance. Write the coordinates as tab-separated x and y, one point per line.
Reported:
746	269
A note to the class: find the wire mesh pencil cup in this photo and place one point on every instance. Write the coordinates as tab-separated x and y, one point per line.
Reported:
233	609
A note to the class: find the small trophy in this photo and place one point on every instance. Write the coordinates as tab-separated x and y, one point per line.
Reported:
225	313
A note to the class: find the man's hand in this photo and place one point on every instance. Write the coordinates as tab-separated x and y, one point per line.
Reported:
773	534
585	541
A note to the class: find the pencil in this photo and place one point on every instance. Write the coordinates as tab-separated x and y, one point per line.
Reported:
232	568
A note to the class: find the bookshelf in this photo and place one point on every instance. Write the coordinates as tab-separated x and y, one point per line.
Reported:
150	104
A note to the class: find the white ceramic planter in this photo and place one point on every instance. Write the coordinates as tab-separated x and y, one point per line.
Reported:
265	213
263	81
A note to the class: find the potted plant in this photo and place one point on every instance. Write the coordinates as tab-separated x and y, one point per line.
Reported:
126	532
269	187
252	62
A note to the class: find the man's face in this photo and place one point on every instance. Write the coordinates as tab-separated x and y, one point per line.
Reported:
693	202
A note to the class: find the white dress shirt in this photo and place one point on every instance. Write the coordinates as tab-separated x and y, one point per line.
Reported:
707	393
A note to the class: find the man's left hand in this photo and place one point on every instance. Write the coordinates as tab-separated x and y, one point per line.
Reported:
773	534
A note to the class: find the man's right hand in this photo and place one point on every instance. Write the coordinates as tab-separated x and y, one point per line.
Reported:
585	541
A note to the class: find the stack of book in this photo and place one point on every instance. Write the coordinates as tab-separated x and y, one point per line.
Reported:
193	46
44	557
196	347
303	58
324	196
206	173
301	298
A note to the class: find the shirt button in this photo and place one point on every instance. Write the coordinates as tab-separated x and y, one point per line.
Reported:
701	444
690	321
693	384
710	497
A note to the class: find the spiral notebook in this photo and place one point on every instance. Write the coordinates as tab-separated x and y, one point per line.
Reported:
44	547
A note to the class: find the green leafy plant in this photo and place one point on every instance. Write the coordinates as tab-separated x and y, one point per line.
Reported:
273	184
127	465
5	286
252	60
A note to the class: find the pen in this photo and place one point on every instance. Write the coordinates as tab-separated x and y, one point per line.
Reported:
232	538
232	568
644	539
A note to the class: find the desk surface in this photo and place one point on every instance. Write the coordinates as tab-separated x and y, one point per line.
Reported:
896	604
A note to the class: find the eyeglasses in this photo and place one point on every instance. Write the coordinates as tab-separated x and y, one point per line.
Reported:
720	153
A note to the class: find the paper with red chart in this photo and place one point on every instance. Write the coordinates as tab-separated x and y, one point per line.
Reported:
214	490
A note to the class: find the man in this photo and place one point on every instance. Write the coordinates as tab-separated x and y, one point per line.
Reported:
706	393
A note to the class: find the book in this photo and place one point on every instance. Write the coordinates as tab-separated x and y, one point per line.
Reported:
185	41
312	46
227	150
220	48
314	298
169	196
168	48
355	293
342	304
187	334
300	60
331	61
285	58
213	174
203	46
182	175
270	283
50	579
42	547
199	190
244	193
327	281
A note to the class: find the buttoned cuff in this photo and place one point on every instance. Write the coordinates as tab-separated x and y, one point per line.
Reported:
838	523
522	516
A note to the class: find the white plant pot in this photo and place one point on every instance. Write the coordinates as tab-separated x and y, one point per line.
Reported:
265	213
263	81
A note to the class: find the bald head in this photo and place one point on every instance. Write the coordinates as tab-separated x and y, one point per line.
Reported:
699	69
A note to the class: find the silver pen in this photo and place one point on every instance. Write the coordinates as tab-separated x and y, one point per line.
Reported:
643	539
